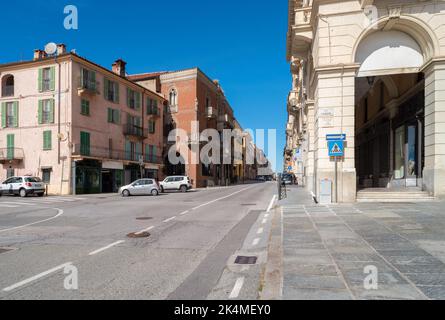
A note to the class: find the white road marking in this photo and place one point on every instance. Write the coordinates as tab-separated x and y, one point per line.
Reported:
266	216
106	248
184	213
19	203
256	241
260	230
145	230
237	289
170	219
41	275
271	203
216	200
60	212
8	206
264	221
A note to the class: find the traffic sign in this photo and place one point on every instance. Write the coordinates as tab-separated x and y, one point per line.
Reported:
336	137
336	148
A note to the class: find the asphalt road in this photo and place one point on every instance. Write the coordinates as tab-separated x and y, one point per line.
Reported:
188	255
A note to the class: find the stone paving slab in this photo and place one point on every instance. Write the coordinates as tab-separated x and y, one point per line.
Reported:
326	249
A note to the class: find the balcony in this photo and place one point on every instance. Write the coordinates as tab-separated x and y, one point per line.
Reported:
131	130
112	154
87	87
173	109
7	91
211	112
11	155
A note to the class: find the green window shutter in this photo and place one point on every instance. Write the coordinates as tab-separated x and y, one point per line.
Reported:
40	80
93	80
110	115
85	143
128	97
16	114
147	153
51	114
82	78
106	88
138	101
127	150
53	78
116	94
10	146
154	154
3	114
40	112
118	116
138	150
47	140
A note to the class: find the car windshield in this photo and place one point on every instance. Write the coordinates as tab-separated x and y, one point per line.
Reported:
33	179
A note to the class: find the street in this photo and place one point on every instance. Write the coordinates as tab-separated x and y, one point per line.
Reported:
175	246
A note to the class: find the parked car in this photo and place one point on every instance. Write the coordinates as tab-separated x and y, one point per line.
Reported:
23	186
177	183
287	179
140	187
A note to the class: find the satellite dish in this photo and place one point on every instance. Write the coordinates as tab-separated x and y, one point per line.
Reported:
51	48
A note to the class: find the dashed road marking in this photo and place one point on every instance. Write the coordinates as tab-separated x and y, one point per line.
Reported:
237	288
256	242
184	213
260	231
271	203
106	248
60	212
145	230
169	219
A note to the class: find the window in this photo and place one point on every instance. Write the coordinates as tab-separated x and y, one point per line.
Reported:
9	174
47	140
111	91
151	126
47	78
85	107
151	153
88	80
46	175
133	99
85	143
114	116
8	86
173	98
46	111
152	107
10	114
10	146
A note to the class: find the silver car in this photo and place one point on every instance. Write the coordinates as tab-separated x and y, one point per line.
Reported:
23	186
140	187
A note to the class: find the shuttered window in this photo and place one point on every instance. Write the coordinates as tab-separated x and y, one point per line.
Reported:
10	114
85	143
133	99
10	148
46	111
47	79
47	140
114	116
111	91
151	126
85	107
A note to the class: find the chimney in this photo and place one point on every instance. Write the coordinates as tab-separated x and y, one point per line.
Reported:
61	49
39	54
119	67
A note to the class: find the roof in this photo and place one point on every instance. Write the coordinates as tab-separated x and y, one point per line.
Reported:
144	76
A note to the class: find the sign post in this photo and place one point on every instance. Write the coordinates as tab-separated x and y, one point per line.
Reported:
336	148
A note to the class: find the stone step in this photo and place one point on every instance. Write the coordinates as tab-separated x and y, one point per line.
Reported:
394	196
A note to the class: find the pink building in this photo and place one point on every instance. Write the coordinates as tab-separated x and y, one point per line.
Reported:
80	127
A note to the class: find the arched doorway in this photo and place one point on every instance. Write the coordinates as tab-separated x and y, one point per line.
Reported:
390	108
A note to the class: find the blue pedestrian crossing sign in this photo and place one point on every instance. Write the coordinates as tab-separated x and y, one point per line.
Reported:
336	148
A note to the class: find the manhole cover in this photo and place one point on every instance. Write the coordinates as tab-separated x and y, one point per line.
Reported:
246	260
138	235
144	218
4	250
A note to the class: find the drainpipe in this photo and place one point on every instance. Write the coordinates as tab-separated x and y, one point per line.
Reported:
58	110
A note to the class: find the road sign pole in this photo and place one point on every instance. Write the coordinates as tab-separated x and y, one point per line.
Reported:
336	180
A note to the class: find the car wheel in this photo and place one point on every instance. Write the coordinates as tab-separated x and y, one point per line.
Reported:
183	189
125	193
41	194
22	193
162	190
154	193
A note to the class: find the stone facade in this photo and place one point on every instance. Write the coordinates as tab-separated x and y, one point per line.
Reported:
337	51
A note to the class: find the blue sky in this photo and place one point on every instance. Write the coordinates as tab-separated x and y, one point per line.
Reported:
241	43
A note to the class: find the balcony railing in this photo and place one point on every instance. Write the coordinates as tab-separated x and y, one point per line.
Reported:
135	131
7	91
88	86
113	154
11	154
154	111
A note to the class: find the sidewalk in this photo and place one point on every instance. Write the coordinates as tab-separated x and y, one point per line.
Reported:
328	252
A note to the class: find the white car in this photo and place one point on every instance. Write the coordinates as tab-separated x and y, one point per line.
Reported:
176	183
23	186
140	187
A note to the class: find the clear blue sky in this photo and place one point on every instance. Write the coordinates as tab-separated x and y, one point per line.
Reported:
242	43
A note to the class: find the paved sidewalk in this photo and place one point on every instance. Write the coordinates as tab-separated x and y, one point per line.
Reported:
327	249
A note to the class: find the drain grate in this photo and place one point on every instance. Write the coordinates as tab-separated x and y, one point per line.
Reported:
246	260
138	235
144	218
4	250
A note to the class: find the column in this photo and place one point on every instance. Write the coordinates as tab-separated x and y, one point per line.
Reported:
434	171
